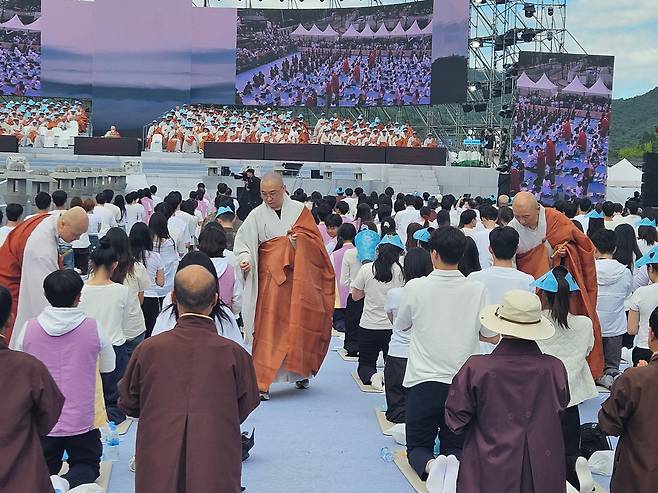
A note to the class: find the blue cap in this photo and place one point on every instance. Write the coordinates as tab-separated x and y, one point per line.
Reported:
651	257
340	191
548	282
225	210
366	242
646	222
392	240
594	214
422	235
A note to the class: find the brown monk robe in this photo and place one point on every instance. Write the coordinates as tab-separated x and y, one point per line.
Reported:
29	408
191	389
572	249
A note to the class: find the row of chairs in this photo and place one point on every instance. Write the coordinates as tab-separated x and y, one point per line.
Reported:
57	137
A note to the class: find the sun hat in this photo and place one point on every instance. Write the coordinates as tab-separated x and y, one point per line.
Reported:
651	257
594	214
422	235
392	240
519	315
646	222
548	282
340	191
366	242
225	210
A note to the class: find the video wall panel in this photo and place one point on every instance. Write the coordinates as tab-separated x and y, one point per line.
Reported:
561	124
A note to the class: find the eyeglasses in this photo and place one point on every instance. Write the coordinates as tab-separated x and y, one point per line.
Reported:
271	194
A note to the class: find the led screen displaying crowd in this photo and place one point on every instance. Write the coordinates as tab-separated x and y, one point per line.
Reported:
20	62
561	124
338	57
27	10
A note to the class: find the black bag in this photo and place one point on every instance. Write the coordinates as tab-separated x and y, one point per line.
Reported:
592	438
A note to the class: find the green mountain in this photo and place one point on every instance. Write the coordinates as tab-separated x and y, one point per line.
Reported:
634	122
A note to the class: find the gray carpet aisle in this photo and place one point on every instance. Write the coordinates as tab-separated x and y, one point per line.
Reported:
324	439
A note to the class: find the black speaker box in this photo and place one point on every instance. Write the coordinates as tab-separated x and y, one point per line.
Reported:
503	184
650	180
316	174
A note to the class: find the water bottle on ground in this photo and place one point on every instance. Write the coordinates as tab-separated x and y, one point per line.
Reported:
111	444
386	454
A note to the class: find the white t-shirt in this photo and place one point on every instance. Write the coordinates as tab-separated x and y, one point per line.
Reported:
170	259
137	282
443	312
180	233
153	265
108	304
404	218
500	280
190	221
644	300
350	267
374	316
107	219
481	239
4	232
135	213
116	212
400	339
530	238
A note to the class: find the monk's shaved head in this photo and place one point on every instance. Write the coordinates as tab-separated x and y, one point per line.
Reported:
195	290
72	224
526	209
272	190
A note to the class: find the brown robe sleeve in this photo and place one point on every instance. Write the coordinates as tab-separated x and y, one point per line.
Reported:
47	400
617	408
246	385
129	386
461	402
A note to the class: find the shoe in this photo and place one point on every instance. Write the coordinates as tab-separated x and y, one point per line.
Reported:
302	384
436	477
606	381
247	443
264	396
584	476
354	354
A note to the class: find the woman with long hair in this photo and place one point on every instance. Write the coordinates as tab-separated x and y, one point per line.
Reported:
387	227
163	244
647	238
344	243
572	342
411	241
417	263
141	247
363	214
132	274
107	302
470	261
372	283
468	222
627	251
145	198
594	225
225	321
120	202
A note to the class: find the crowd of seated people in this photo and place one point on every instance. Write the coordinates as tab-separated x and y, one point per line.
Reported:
30	120
188	128
20	62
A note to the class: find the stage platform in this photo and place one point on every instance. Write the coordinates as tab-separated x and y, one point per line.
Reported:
183	171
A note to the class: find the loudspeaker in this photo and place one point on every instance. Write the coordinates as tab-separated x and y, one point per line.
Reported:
650	180
316	174
225	171
503	184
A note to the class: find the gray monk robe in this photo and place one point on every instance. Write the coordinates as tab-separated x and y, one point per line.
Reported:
509	404
191	389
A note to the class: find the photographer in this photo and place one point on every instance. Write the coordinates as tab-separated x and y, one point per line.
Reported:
250	197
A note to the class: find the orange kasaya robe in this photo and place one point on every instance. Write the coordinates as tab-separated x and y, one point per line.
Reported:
580	262
296	294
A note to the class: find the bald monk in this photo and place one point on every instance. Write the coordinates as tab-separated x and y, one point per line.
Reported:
191	389
29	254
289	288
547	238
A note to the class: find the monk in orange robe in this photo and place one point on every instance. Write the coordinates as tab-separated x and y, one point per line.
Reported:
548	238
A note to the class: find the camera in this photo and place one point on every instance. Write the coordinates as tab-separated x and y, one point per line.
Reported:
240	176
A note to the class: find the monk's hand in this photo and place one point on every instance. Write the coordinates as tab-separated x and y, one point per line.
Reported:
244	265
292	235
561	251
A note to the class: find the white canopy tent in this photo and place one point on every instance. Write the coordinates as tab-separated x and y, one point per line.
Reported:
599	89
544	84
382	32
351	32
35	26
576	87
414	30
329	32
299	31
525	82
314	31
398	30
427	30
367	32
623	180
13	23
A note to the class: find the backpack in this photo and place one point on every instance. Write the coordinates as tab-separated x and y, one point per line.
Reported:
592	439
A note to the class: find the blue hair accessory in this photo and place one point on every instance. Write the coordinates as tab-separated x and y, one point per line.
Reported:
392	240
651	257
340	191
224	210
422	235
366	242
594	214
548	282
646	222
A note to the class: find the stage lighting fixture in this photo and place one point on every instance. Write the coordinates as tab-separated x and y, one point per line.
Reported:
529	9
550	10
478	2
475	43
467	108
480	107
549	35
472	87
528	35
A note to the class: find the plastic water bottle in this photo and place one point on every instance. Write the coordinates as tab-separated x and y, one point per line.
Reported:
437	446
111	449
386	454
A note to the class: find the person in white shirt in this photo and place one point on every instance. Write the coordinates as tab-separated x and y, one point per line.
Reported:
13	213
584	208
116	211
156	199
443	311
135	212
107	217
610	220
572	342
179	228
489	216
640	305
615	282
632	217
351	201
417	263
371	284
647	235
407	216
